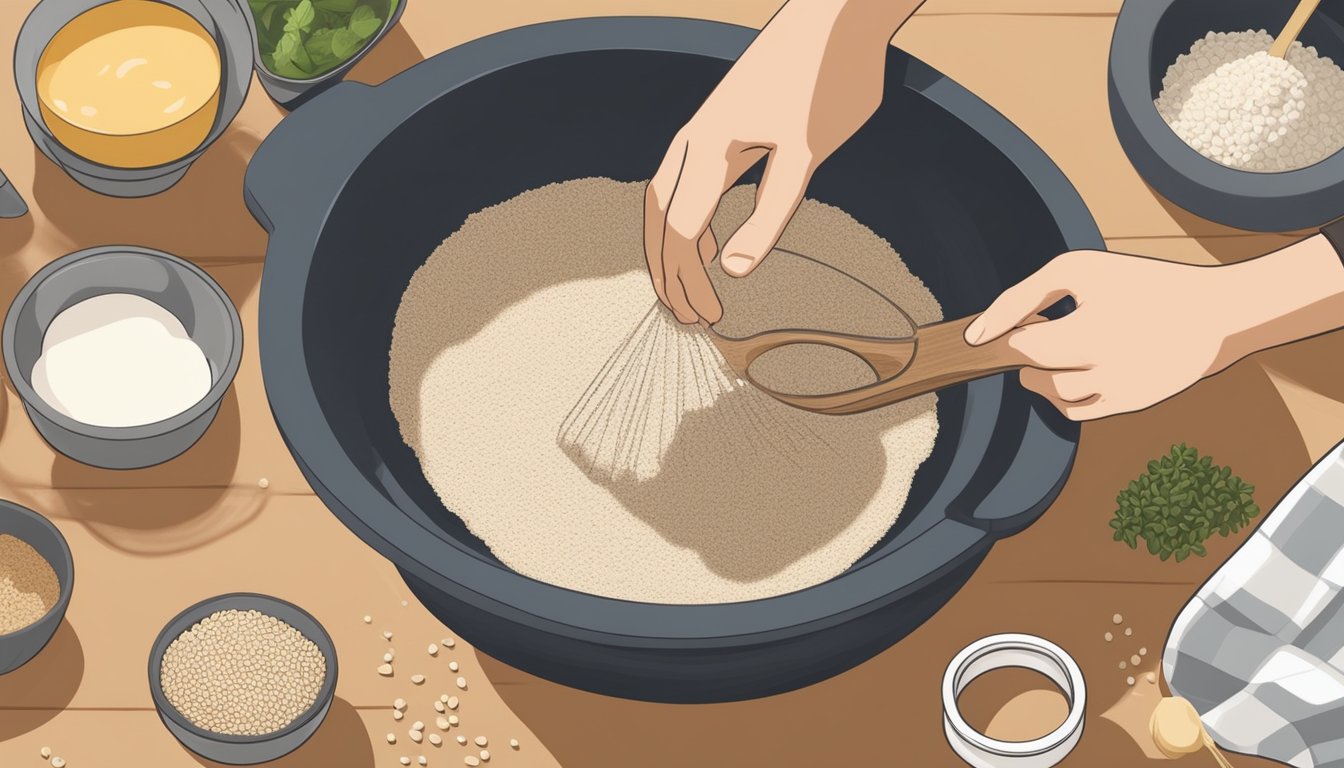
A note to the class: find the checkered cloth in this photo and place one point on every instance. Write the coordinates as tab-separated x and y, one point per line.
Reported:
1259	650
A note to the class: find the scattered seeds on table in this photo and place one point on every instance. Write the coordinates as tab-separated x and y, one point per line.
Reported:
442	722
1135	659
447	642
417	736
452	720
1117	618
387	635
404	603
385	670
368	619
418	679
57	762
513	743
435	739
453	702
481	741
397	714
418	726
471	760
423	760
1129	631
485	755
433	649
452	665
1143	651
399	704
1130	679
387	657
462	740
438	706
263	483
391	738
1152	677
1123	665
444	698
1109	637
405	760
45	752
462	683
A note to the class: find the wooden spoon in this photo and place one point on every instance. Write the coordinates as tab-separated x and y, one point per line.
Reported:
936	356
1293	28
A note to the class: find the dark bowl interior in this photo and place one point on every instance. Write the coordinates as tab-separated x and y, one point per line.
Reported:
287	612
964	220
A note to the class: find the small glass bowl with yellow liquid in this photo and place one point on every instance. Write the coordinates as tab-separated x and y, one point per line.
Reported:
125	94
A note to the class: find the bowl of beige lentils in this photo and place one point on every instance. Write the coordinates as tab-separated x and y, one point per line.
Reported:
37	574
243	678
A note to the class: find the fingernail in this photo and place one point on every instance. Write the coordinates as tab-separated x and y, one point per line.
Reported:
736	264
974	331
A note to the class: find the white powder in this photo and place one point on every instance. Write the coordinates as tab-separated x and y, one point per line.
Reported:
1237	105
506	325
119	360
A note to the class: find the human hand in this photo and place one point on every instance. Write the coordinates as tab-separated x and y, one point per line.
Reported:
1143	330
805	85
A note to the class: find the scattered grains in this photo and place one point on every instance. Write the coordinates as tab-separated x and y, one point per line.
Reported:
45	752
387	657
462	683
438	706
417	736
399	704
435	739
448	642
655	544
263	483
1109	637
1135	659
1123	665
1129	631
1130	680
453	720
481	741
452	702
242	673
485	755
442	722
462	740
1152	677
471	760
513	743
433	649
387	635
28	585
404	603
452	665
418	679
385	670
1235	104
405	760
57	762
1117	618
443	697
1143	651
418	726
398	715
368	619
391	738
423	760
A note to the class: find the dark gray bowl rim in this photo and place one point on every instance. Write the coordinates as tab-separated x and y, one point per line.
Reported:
1130	70
269	605
33	400
333	73
493	587
65	570
217	129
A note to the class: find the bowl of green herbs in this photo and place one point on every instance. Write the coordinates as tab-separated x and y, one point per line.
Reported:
304	46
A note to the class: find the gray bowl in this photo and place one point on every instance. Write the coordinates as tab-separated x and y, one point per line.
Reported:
18	648
174	284
290	93
228	21
1149	35
244	750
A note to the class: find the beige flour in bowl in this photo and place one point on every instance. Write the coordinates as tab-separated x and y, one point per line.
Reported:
504	328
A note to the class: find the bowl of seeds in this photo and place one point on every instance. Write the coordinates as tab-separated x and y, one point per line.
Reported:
37	575
1218	124
242	678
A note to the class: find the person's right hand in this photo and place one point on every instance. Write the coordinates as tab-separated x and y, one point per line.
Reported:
807	83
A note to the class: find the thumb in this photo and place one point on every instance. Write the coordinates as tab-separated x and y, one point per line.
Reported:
782	188
1019	303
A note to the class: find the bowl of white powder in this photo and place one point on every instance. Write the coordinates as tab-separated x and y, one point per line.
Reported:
243	678
1221	128
122	354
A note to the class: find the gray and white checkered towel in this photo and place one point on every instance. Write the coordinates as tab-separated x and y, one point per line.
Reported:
1259	650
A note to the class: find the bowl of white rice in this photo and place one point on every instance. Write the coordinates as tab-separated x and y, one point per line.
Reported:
1221	128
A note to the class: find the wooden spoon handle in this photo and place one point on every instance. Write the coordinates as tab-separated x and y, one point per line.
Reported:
1293	28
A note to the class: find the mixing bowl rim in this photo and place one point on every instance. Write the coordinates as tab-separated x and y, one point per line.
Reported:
31	399
268	605
463	574
65	569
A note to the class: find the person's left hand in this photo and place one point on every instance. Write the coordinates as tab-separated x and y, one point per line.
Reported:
1143	330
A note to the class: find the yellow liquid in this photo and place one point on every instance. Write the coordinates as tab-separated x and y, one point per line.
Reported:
130	83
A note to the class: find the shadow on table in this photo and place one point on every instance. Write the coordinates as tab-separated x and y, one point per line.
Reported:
394	54
14	234
38	691
341	741
172	507
1229	244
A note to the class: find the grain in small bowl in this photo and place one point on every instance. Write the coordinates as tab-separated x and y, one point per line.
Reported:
37	576
243	678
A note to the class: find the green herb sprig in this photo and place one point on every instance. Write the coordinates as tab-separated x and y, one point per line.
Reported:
301	39
1180	502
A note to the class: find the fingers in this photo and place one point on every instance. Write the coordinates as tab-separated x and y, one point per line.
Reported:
694	201
1065	387
1053	344
657	196
782	188
708	246
1047	286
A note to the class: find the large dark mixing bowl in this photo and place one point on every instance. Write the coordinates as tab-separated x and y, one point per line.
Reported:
361	184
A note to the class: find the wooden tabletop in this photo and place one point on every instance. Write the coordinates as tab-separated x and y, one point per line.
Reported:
148	543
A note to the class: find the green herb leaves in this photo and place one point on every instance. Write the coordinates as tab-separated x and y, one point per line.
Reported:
1180	502
302	39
